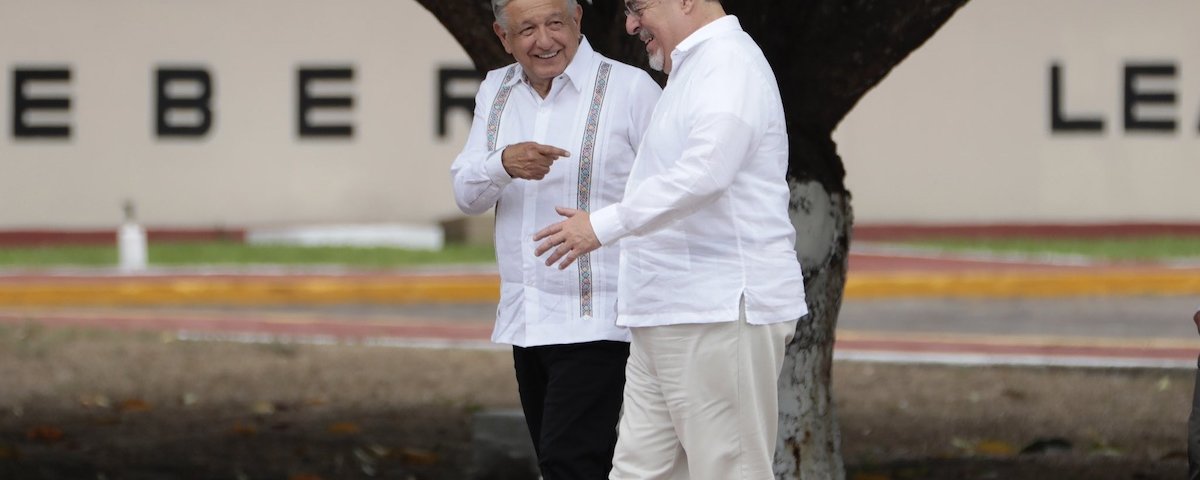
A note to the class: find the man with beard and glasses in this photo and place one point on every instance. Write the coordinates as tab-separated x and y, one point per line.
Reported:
710	285
559	126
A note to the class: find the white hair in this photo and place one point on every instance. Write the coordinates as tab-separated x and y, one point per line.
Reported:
502	18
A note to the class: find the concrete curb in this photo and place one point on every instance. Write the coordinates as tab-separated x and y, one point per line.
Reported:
405	289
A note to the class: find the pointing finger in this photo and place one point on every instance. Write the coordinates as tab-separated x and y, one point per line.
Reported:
553	151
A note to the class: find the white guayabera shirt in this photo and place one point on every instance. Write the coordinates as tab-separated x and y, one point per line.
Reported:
705	215
598	110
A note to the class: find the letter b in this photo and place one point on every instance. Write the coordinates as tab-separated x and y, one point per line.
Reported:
199	102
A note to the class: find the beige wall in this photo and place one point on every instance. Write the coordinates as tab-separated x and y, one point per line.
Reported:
959	132
251	169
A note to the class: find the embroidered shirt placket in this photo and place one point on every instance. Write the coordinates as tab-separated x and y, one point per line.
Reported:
584	194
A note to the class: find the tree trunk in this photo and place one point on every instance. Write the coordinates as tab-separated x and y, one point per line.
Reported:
809	441
826	55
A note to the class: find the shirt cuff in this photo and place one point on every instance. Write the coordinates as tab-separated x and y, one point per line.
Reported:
606	224
494	167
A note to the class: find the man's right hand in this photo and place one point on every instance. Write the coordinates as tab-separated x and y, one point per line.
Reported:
530	160
1196	318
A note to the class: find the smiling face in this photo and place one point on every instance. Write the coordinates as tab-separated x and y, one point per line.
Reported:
542	35
662	24
656	23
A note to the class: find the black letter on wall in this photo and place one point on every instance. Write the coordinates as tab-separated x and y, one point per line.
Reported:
1058	120
308	102
1133	97
200	103
446	103
22	103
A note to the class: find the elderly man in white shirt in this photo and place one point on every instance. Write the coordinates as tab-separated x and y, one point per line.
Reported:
709	283
559	126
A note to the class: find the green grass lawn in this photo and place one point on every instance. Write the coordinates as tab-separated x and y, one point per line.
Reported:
231	253
1115	248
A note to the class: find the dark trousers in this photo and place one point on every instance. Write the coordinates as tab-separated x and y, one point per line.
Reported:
571	395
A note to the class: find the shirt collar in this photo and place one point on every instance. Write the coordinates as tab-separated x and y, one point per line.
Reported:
715	28
577	71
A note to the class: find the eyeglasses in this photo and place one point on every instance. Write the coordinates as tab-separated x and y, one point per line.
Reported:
635	9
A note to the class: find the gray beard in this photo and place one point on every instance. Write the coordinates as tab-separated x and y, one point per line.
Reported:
656	61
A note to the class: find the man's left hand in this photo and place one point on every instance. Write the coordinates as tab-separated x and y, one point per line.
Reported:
573	238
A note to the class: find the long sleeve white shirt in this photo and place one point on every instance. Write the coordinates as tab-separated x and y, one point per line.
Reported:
705	216
598	110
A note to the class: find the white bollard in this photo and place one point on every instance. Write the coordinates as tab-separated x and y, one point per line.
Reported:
131	243
131	247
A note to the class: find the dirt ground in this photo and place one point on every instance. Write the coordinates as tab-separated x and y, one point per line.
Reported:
89	404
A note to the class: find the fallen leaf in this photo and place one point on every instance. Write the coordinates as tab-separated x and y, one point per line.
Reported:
344	428
364	456
1164	383
965	445
316	401
995	447
188	399
243	430
134	405
416	456
1102	448
379	450
263	408
44	434
97	401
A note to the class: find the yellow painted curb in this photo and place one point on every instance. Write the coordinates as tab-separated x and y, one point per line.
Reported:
256	291
485	289
1023	284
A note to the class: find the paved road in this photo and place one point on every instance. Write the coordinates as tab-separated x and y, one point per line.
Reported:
900	306
1127	331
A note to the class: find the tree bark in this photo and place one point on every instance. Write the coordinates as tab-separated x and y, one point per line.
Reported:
826	55
809	441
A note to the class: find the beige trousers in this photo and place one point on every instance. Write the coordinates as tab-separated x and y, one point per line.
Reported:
701	402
